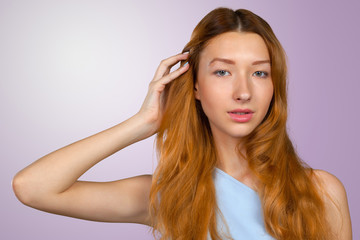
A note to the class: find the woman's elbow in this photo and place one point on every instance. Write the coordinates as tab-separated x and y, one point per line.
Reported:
22	189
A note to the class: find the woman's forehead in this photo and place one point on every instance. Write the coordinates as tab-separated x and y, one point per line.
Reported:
236	45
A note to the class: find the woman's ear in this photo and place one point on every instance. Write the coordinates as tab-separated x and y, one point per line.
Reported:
196	91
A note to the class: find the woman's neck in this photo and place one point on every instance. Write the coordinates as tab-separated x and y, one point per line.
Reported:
230	161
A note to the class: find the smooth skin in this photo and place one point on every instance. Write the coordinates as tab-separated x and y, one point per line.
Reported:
239	79
50	184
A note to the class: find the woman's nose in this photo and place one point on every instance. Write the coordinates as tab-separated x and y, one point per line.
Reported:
241	89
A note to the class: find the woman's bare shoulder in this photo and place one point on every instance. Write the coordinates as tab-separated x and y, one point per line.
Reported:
330	183
336	203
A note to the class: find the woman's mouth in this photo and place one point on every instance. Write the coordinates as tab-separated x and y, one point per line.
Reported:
241	115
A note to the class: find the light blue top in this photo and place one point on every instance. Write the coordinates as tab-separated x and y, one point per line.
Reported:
241	207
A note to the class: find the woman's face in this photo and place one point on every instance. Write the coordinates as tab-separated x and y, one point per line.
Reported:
234	73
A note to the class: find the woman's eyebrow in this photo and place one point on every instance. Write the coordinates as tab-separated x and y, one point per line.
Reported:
229	61
261	62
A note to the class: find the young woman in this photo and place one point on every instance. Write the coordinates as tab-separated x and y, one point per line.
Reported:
227	168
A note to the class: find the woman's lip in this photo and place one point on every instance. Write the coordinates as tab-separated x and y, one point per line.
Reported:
241	110
241	118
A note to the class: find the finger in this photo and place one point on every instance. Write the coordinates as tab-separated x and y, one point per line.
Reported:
166	64
168	78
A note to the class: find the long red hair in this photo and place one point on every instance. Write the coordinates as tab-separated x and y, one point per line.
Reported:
182	198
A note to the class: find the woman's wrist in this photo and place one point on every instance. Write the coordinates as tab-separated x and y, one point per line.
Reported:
146	127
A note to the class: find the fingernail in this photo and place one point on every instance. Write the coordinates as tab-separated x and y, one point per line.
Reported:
185	53
185	64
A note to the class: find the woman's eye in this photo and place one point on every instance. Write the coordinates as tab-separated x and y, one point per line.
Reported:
221	73
260	74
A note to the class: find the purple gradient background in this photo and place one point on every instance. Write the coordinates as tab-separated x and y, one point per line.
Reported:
69	69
